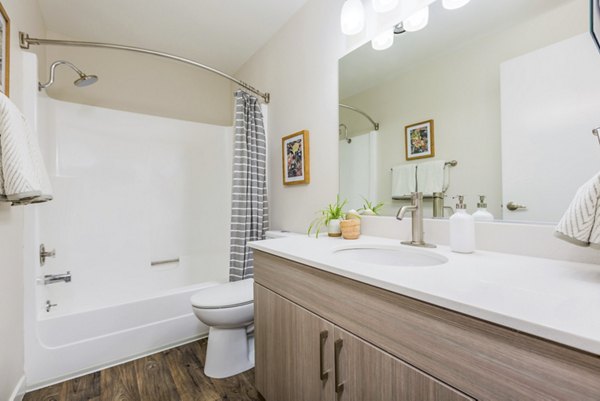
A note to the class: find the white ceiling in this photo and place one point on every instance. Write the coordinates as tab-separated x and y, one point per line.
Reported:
365	68
220	33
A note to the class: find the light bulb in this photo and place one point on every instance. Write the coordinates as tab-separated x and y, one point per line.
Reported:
383	6
417	21
384	40
353	17
454	4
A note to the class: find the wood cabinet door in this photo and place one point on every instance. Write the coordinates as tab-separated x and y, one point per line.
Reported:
294	350
363	371
411	384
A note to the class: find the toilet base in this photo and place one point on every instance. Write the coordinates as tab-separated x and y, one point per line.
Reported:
228	352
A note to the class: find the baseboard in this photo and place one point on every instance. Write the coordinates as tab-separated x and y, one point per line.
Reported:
19	391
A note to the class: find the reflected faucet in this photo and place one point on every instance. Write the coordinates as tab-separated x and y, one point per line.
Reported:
416	208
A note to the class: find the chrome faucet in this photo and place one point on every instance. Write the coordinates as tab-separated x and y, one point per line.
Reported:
416	208
55	278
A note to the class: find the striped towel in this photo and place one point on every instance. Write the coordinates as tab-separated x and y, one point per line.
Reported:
581	223
23	176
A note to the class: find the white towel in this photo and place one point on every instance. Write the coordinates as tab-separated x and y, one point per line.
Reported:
403	180
23	176
581	223
431	177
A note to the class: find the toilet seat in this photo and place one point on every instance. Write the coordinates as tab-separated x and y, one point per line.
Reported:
228	295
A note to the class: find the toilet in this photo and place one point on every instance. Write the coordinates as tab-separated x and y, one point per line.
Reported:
228	309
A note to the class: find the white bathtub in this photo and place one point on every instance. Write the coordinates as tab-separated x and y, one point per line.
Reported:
71	345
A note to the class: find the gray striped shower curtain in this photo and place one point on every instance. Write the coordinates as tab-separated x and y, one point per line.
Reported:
250	208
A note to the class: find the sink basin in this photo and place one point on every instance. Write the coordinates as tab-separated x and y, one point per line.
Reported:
401	256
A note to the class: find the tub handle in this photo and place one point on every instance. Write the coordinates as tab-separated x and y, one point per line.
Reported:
45	254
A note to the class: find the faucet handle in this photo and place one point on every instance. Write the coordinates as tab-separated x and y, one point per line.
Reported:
45	254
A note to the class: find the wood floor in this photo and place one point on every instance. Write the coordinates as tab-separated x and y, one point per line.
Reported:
173	375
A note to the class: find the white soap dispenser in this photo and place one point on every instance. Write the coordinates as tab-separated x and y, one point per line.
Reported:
462	229
482	214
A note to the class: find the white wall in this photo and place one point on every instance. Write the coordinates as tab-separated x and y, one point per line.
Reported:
141	83
460	90
24	15
299	68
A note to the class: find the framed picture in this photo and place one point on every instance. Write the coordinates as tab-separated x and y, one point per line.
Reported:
296	158
419	140
5	51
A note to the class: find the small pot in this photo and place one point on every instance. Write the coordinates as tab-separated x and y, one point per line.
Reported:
333	228
350	229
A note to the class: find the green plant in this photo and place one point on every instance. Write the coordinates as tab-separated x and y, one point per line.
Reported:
368	205
331	212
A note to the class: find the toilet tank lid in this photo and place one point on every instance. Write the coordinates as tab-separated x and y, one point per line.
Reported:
228	295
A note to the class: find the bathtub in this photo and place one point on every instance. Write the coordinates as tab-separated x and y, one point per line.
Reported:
70	345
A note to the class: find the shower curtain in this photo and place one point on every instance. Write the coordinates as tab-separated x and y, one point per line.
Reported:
249	209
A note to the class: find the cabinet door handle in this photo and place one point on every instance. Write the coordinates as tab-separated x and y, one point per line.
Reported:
322	339
339	387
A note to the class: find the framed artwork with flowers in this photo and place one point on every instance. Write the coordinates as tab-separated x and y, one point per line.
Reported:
296	161
419	140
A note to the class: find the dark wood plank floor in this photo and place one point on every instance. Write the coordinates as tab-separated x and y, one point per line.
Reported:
173	375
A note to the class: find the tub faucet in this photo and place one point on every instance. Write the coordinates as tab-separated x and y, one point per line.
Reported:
55	278
416	208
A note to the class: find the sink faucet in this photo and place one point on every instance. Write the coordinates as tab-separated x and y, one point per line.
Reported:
416	208
55	278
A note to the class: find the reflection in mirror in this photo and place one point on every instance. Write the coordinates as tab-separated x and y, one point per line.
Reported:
513	88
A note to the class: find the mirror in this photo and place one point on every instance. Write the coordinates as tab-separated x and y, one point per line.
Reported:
512	89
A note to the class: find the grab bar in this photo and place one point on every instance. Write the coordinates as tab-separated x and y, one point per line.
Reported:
164	262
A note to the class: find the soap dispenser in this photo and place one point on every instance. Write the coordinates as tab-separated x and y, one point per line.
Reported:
482	214
462	229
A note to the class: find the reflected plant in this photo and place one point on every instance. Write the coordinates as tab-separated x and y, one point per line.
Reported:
369	208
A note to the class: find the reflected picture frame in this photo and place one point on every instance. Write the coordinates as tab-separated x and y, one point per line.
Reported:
295	152
419	140
5	52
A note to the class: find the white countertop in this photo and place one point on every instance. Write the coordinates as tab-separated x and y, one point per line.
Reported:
552	299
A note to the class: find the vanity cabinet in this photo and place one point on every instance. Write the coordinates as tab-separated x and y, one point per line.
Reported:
302	357
324	337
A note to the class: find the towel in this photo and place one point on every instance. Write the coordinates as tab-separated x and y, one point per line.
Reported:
581	223
403	180
431	177
23	176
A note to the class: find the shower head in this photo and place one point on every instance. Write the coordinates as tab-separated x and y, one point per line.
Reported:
86	80
83	80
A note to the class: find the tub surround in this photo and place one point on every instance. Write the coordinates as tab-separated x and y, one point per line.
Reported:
552	299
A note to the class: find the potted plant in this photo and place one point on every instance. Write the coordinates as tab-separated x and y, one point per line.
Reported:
329	217
370	208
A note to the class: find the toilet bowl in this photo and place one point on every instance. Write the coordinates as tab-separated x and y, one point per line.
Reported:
228	309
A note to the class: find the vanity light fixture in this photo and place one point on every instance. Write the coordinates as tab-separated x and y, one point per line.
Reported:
454	4
384	40
353	17
383	6
417	21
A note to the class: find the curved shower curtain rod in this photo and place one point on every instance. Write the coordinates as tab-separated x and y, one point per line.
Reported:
25	41
368	117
